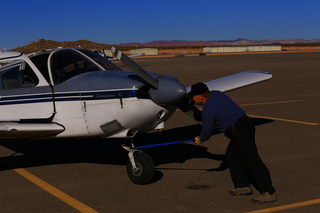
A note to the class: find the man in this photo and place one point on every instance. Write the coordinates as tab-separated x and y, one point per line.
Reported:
220	112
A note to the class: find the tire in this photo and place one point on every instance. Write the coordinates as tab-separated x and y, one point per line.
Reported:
145	167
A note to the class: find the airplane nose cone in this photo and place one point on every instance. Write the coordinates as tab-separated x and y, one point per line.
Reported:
170	90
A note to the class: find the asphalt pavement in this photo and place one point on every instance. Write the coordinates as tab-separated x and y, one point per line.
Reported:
89	175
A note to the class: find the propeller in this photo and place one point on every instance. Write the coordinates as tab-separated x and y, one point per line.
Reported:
164	90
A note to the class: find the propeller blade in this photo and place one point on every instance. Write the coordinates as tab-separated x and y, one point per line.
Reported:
189	109
135	68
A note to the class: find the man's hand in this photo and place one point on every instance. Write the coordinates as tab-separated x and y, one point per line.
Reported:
197	140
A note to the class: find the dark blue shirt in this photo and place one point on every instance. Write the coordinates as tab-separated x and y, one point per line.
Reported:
220	112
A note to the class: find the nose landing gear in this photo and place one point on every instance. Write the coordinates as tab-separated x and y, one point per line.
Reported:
140	166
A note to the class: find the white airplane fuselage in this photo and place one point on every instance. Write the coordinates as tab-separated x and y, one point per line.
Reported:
103	103
85	113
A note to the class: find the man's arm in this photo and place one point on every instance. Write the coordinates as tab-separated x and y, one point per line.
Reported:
208	122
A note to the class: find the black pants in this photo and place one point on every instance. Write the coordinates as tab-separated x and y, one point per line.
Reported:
242	155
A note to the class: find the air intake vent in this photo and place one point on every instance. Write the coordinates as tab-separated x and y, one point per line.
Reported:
143	92
112	127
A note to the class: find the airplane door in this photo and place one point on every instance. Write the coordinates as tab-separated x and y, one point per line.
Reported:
21	97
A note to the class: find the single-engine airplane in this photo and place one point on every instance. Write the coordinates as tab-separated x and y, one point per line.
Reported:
74	92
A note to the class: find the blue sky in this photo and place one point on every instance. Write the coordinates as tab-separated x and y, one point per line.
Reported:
123	21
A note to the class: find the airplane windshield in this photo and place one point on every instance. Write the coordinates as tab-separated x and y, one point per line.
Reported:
106	64
68	63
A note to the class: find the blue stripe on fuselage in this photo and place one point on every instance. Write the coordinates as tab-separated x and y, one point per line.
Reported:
65	96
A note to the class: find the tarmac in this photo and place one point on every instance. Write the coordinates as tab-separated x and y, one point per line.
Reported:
89	175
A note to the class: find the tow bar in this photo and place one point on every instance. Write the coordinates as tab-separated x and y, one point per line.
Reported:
140	166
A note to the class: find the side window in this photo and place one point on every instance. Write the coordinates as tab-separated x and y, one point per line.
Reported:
19	75
10	78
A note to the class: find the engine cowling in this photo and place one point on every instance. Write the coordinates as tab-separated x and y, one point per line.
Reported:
170	90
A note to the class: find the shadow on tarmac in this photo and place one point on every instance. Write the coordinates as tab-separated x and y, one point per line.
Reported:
101	151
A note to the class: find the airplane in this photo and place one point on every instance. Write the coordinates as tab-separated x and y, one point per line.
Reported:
77	93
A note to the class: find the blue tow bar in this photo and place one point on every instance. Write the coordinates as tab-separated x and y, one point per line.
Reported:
160	144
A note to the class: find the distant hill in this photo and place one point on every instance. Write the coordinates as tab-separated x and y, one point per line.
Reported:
237	42
43	44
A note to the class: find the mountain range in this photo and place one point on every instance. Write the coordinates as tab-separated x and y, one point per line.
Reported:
42	44
237	42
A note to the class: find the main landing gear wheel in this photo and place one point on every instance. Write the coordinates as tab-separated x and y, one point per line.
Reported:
144	171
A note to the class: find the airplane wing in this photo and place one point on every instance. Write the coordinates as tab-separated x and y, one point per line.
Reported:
238	80
29	130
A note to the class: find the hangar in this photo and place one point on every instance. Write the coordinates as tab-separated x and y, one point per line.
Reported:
241	49
146	51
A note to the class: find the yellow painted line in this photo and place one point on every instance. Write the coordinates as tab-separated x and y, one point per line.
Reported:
49	188
277	102
285	207
278	119
281	119
266	103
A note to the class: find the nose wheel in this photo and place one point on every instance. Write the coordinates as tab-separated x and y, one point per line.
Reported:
143	170
140	166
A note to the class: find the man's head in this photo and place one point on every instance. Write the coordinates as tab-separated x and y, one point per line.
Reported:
199	93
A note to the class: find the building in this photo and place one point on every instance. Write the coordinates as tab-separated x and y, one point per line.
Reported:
146	51
241	49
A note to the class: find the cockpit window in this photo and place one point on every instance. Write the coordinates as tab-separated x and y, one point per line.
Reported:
67	63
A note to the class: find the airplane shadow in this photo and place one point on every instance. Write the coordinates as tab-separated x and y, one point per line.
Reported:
101	151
